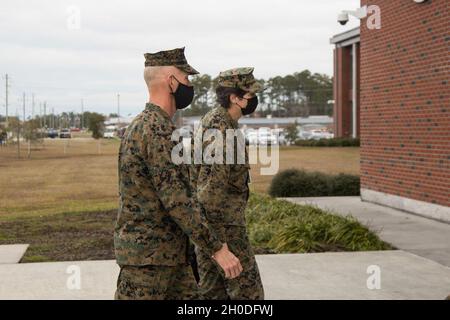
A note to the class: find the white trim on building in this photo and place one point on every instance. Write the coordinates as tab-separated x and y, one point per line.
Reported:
346	38
421	208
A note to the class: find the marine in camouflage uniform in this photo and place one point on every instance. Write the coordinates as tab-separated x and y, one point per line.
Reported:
157	214
222	190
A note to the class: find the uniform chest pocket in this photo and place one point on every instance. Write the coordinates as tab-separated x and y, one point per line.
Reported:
239	177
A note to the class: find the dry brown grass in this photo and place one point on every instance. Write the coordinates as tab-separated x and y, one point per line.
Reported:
51	181
64	204
81	180
331	160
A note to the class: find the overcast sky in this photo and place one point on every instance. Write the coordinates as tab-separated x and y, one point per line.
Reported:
43	51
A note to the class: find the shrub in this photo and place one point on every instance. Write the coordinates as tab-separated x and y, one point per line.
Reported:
300	183
334	142
344	185
294	181
278	226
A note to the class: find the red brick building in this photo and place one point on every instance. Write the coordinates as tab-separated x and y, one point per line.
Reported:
346	77
400	105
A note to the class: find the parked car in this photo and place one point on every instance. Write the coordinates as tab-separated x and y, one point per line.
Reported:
110	132
52	133
266	137
65	134
320	134
280	135
261	136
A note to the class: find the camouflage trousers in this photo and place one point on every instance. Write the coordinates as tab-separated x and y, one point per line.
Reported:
156	283
214	285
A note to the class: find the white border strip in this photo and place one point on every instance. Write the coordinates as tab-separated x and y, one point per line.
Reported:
355	32
422	208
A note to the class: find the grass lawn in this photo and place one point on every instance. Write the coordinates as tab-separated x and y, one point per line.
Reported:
82	180
274	227
63	236
63	199
51	181
332	160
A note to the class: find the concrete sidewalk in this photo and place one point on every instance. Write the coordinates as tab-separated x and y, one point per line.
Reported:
340	275
424	237
12	253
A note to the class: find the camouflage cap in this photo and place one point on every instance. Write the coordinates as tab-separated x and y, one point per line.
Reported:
174	57
241	78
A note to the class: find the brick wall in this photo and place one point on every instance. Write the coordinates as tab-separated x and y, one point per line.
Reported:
405	119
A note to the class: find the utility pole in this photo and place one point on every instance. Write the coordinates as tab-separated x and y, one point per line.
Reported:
18	136
40	114
6	96
18	125
118	107
32	105
45	113
24	108
6	104
53	117
24	119
82	114
23	128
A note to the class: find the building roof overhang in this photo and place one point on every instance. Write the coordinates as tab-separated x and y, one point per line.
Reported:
346	38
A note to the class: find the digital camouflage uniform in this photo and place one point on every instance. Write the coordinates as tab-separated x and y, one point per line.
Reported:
157	213
222	190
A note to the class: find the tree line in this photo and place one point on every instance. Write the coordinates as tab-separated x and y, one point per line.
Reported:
298	94
34	129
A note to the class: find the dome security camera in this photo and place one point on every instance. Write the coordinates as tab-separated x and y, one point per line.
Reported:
359	13
343	18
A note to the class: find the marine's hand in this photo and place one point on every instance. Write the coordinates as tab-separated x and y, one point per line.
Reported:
228	262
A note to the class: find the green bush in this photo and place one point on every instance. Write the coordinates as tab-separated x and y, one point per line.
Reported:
344	185
334	142
277	226
300	183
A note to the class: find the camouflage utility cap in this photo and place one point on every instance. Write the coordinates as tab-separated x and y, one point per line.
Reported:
174	57
241	78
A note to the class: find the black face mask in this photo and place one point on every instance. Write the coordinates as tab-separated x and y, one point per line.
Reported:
183	95
252	103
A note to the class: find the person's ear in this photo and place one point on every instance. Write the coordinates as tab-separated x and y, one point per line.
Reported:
234	98
171	82
231	99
